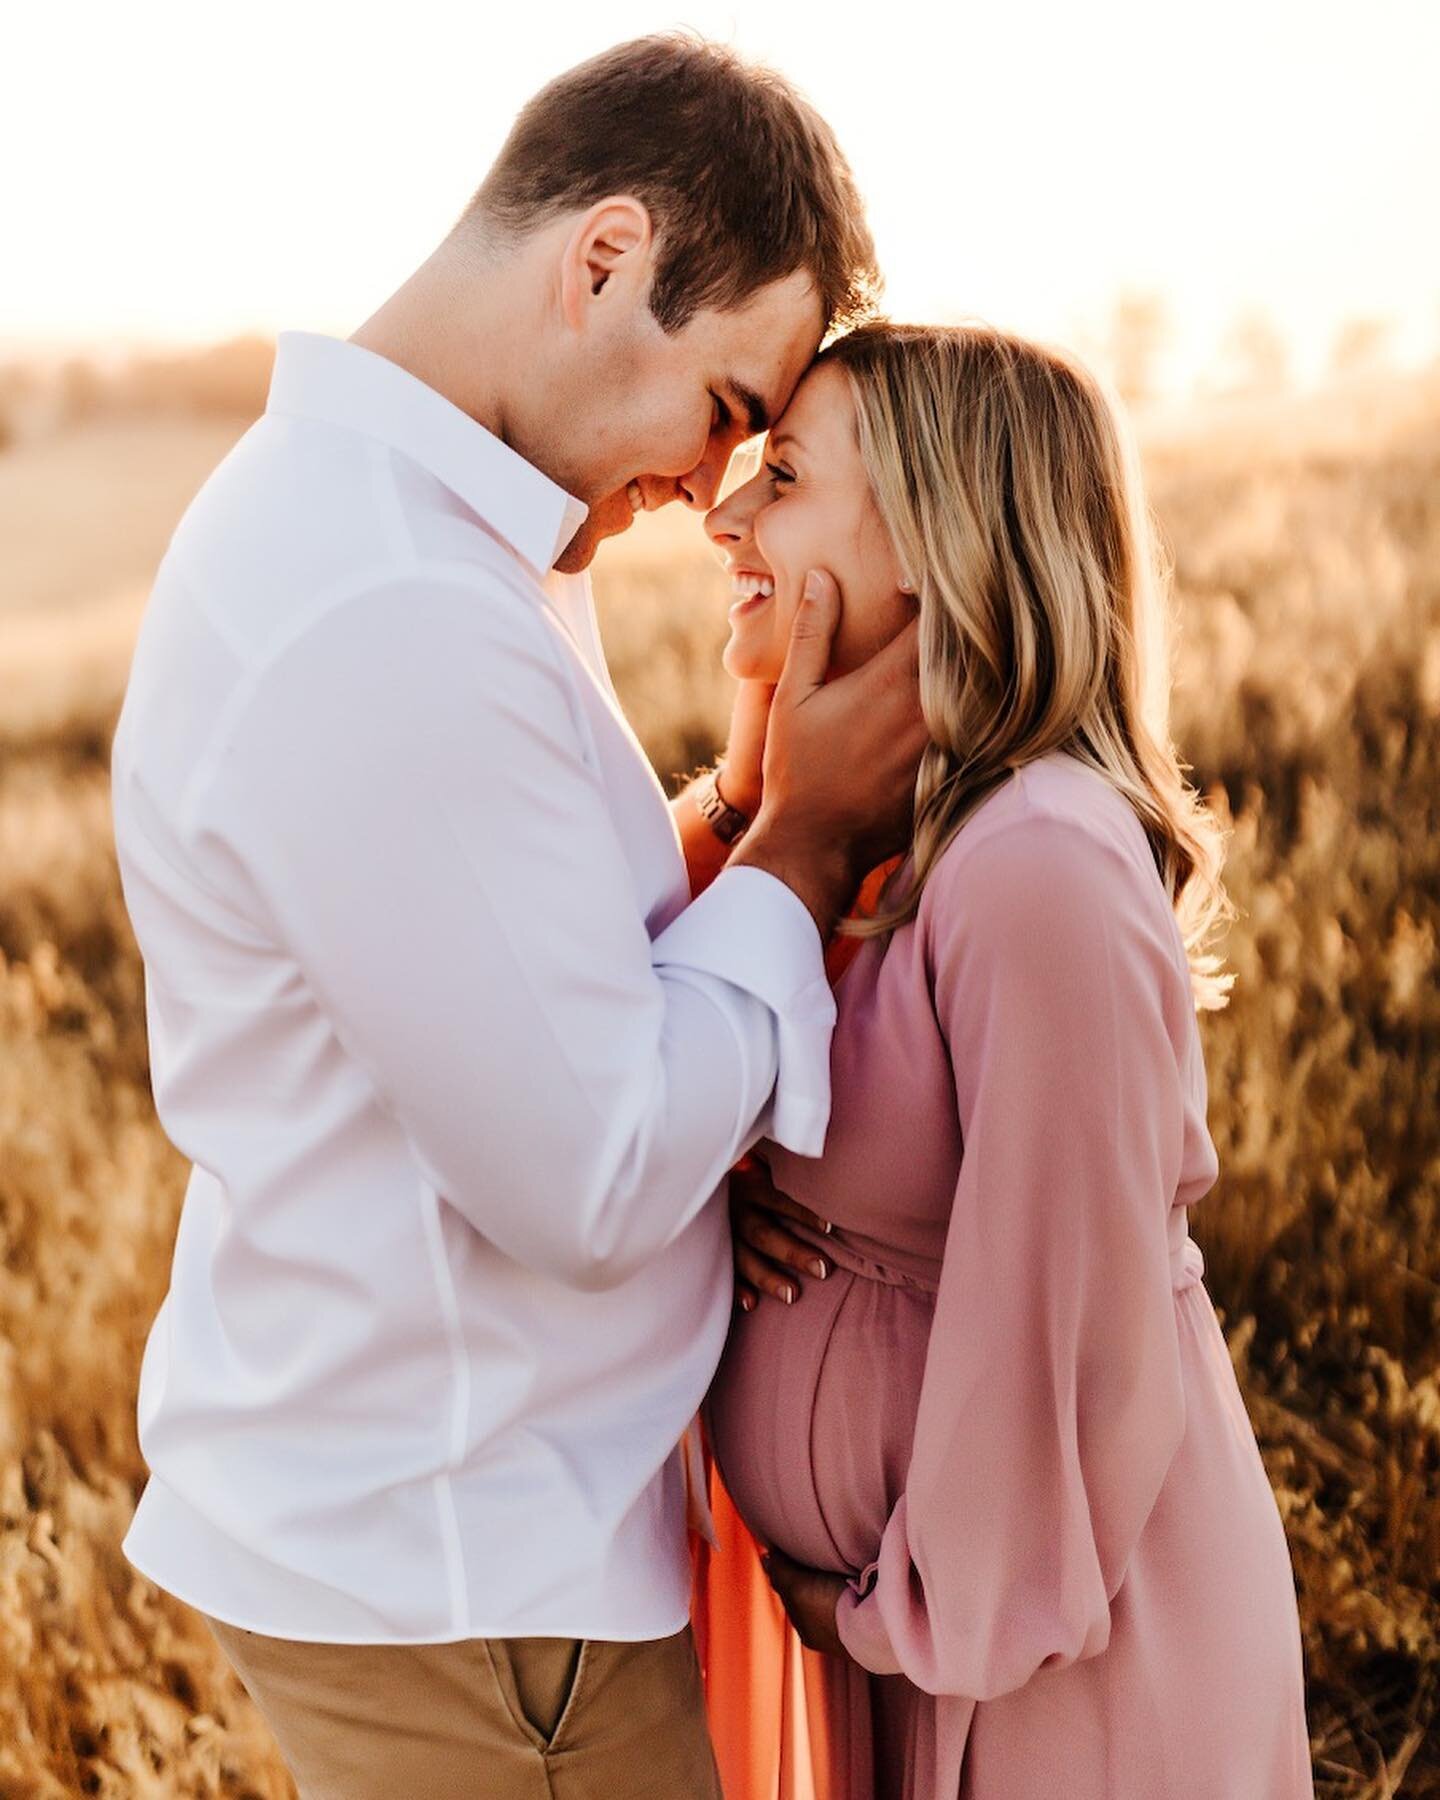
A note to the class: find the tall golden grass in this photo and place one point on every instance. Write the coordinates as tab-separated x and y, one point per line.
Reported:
1308	557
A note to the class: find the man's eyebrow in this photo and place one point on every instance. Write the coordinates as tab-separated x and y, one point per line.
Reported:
757	414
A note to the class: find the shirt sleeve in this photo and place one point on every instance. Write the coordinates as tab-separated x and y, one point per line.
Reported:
1051	1404
406	793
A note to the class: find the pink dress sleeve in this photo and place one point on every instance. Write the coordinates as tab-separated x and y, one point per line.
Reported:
1052	1401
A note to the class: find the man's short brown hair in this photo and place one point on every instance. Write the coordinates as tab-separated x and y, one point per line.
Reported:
743	179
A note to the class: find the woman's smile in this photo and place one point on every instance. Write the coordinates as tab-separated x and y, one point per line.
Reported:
810	507
752	590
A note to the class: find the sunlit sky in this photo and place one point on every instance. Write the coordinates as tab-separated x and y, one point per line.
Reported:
191	170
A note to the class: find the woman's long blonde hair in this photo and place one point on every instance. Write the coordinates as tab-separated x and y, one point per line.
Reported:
1012	494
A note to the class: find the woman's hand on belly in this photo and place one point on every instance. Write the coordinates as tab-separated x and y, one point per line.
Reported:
767	1256
809	1597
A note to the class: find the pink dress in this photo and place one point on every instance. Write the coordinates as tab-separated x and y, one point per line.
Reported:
1009	1416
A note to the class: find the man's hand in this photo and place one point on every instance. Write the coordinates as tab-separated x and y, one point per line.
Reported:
765	1252
809	1596
840	763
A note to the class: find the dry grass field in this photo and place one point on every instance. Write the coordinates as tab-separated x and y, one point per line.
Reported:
1307	547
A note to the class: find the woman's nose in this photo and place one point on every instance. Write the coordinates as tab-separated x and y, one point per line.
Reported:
730	521
722	527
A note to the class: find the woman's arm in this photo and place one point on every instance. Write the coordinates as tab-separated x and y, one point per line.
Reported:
740	786
706	852
1052	1401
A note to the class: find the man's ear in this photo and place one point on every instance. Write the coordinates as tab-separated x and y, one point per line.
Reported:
607	253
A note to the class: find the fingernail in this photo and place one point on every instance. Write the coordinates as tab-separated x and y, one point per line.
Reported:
787	1293
826	1227
812	585
819	1268
747	1303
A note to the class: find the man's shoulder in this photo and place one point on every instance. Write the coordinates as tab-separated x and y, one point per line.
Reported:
301	519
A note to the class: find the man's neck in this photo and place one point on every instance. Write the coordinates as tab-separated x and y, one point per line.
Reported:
452	325
479	330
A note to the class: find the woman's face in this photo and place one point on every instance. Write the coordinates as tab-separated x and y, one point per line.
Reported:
809	507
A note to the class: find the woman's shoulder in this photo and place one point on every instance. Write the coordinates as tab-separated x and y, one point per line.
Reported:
1054	842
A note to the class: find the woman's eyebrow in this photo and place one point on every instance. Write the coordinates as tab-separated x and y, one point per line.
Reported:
786	437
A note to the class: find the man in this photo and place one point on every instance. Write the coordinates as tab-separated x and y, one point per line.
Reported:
459	1071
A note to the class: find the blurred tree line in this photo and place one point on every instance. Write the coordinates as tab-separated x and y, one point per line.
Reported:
231	379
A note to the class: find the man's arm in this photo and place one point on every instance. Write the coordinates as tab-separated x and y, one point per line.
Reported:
406	796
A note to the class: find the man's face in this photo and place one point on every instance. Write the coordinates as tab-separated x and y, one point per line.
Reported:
662	413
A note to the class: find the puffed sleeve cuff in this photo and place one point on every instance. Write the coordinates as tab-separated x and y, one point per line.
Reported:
861	1629
752	931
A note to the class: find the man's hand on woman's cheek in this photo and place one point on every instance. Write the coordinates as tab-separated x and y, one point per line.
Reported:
769	1258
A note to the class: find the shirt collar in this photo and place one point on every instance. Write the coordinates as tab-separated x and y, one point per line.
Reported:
319	377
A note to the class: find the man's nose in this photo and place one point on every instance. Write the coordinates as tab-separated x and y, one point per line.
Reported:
700	487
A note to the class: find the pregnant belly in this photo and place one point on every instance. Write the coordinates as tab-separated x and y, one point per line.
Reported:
812	1412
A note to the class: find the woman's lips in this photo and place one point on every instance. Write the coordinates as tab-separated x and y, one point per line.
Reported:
749	603
752	589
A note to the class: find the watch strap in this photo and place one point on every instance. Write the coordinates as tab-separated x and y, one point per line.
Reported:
727	822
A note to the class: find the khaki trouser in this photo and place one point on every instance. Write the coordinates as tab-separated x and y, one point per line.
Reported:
486	1719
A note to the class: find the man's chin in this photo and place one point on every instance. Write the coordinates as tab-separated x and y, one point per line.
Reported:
579	553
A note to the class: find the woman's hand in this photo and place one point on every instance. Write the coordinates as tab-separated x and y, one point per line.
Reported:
809	1597
765	1252
741	776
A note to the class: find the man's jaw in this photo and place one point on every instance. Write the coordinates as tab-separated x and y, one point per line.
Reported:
607	518
612	516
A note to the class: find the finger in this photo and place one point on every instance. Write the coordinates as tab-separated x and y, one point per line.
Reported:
776	1202
761	1233
751	1184
811	634
895	665
774	1565
782	1572
764	1277
764	1231
746	1297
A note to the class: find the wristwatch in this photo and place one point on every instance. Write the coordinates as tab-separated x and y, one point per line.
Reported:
727	822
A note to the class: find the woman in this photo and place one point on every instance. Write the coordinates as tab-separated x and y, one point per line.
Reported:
1000	1458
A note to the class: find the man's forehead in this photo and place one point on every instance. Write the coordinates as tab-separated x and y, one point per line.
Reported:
773	343
759	397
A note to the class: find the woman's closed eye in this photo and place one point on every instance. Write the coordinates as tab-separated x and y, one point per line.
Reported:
778	476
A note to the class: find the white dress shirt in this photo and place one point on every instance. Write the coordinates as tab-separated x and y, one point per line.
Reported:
459	1071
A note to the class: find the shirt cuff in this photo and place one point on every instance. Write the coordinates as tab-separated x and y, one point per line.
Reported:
752	931
861	1629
